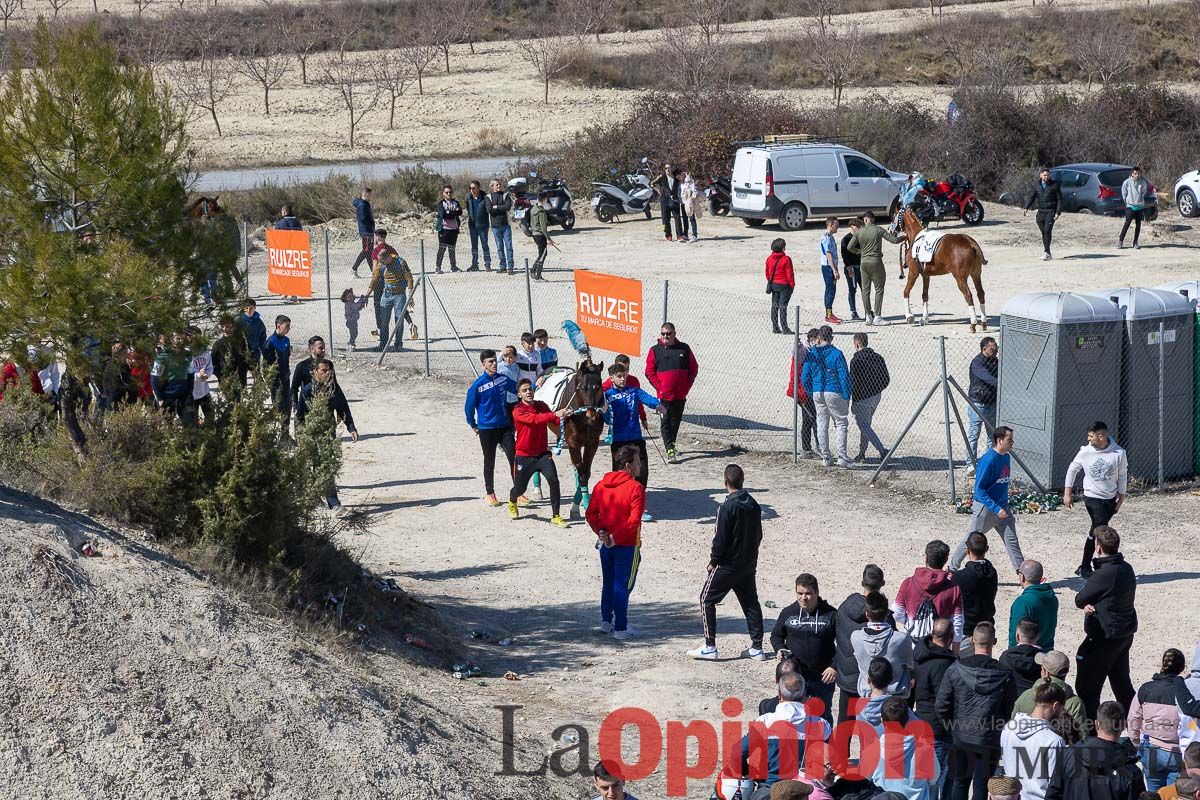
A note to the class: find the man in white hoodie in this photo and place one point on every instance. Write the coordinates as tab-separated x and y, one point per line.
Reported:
1030	748
1105	475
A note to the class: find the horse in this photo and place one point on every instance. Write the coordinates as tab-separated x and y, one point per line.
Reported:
956	254
205	208
583	395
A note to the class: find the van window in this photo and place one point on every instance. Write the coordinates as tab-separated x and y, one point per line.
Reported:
789	168
821	165
859	167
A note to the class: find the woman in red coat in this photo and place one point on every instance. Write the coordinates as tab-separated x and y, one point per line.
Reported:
781	282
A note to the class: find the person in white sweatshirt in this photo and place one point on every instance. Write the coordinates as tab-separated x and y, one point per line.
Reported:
1030	748
1105	471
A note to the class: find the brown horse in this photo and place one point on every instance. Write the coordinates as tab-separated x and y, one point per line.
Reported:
584	396
956	254
204	207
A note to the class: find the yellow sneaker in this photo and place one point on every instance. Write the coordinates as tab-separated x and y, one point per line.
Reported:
558	522
523	500
512	510
491	500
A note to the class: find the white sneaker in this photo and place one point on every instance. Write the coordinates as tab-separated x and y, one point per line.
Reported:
621	636
870	319
603	627
1046	256
880	321
703	653
646	517
350	348
632	631
754	653
844	464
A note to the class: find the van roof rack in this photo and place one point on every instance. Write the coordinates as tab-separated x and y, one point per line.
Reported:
781	139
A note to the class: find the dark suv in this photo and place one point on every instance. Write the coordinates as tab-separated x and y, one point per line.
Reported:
1096	189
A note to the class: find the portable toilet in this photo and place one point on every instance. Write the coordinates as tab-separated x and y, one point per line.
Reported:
1143	310
1191	290
1060	362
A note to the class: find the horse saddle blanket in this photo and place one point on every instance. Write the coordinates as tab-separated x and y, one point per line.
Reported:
925	245
554	391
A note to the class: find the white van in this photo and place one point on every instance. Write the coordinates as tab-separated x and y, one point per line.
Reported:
791	182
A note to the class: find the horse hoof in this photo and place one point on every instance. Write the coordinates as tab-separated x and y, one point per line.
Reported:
909	320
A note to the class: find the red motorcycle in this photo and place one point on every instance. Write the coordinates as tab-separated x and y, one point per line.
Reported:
954	199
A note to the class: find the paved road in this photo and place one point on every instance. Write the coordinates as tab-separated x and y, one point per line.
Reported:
235	179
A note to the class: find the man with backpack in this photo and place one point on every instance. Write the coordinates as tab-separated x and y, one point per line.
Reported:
929	594
868	378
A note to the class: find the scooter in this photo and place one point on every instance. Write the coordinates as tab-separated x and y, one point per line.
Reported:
719	195
632	195
558	211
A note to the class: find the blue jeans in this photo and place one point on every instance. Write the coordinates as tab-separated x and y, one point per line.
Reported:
479	241
941	749
207	287
830	286
1161	766
618	569
504	253
975	424
391	305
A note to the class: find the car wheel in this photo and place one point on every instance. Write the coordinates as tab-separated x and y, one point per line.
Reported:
973	213
569	221
1084	210
604	213
1187	203
752	222
793	217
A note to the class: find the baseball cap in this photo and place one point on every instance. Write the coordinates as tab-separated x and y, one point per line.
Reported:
1055	662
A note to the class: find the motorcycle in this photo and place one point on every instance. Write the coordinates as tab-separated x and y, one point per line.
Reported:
558	212
954	199
719	195
629	194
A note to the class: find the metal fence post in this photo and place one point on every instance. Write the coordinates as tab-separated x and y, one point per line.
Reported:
796	390
666	298
1161	396
424	310
529	294
246	255
946	420
328	294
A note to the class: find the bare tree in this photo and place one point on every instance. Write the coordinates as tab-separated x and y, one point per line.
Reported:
691	59
937	7
348	78
997	65
302	36
820	10
394	74
8	10
207	81
261	63
420	53
553	50
140	5
836	55
57	6
474	15
587	17
708	15
446	30
1101	52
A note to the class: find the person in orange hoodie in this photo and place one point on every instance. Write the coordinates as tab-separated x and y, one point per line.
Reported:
781	282
615	514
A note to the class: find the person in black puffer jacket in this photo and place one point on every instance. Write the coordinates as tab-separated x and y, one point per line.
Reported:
852	616
978	582
1019	660
934	656
985	368
1046	197
805	632
1107	600
1101	767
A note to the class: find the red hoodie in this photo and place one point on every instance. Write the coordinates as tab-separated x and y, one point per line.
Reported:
929	582
617	503
779	269
531	421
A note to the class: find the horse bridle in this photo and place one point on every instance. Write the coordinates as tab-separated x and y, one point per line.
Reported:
585	408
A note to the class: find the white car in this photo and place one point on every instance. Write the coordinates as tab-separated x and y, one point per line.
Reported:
1187	194
793	182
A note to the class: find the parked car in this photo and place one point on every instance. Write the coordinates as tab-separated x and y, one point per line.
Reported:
1187	194
792	181
1096	189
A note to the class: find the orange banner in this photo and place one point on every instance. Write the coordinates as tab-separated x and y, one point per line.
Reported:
608	310
289	263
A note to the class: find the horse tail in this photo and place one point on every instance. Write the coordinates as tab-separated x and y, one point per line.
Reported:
979	251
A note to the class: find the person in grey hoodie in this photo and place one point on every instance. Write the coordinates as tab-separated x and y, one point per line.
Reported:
1105	471
1133	191
1029	745
878	638
852	616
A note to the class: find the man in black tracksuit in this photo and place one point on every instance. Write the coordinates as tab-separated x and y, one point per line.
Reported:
1020	659
1101	767
852	616
805	632
1046	197
732	566
303	374
933	655
1110	623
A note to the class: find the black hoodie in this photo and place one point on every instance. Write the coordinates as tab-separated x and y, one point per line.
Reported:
932	662
851	616
739	531
978	582
1111	590
1097	769
810	636
1019	661
976	699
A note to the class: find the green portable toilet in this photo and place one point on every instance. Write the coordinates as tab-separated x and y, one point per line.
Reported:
1191	290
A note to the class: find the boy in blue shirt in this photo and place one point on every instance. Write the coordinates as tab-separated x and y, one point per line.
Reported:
989	506
829	267
624	420
549	356
278	351
254	329
489	416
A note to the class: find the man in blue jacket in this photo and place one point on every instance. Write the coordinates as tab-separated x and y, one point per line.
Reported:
624	420
487	415
365	218
826	378
253	329
478	223
989	507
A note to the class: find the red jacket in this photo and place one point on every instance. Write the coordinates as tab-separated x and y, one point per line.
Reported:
779	269
671	370
531	421
617	503
630	383
802	397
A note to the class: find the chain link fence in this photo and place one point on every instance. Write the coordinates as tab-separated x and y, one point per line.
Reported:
923	418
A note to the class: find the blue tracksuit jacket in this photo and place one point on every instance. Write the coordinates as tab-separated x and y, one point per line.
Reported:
623	417
485	407
991	480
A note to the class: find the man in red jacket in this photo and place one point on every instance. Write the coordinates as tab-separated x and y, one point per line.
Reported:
533	453
615	514
671	369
